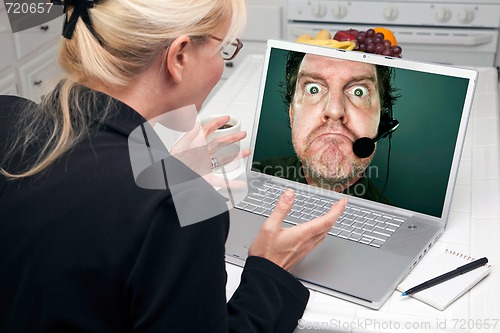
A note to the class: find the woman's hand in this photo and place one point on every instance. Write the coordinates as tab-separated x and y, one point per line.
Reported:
223	141
287	246
193	150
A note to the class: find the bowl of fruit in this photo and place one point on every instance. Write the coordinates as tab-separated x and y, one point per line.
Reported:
378	40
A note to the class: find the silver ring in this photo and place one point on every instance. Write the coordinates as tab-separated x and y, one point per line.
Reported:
215	163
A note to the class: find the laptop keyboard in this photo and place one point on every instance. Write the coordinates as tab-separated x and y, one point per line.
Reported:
356	223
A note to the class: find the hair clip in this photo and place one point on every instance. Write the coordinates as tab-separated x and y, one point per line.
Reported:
80	10
66	3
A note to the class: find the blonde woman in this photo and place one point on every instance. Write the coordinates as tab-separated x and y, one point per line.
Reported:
82	247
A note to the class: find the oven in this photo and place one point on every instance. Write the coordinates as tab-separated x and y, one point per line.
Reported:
452	32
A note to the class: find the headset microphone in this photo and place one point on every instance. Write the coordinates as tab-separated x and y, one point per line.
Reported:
364	147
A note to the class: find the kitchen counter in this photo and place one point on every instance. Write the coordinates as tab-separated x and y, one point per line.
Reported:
473	227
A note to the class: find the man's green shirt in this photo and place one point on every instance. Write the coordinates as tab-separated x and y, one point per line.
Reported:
291	168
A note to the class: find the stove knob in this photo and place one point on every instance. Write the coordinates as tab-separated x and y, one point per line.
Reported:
443	15
339	11
391	13
318	10
466	16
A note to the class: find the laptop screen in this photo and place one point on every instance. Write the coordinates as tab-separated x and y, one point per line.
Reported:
314	107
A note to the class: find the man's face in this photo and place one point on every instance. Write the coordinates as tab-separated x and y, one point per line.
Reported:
336	102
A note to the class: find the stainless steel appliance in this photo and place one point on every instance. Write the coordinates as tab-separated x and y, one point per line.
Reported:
444	31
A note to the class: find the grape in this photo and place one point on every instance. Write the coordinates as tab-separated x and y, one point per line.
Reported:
370	41
396	50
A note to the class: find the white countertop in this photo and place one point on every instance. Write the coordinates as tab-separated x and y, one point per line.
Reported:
473	226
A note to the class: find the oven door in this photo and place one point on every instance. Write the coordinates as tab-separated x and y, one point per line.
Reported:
454	46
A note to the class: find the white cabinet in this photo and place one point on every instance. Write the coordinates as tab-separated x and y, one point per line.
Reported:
39	74
8	80
28	59
6	86
7	54
30	40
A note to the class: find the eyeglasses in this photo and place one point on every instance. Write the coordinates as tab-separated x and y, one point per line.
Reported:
229	50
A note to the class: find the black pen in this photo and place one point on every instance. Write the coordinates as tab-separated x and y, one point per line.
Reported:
446	276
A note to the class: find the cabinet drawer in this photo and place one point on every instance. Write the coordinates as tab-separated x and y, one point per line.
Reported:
8	84
7	54
38	75
29	40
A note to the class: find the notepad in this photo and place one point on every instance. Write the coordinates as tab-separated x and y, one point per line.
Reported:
445	293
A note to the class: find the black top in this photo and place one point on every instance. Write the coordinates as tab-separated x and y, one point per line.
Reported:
84	249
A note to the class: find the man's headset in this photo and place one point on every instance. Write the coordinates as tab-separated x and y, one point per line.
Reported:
364	147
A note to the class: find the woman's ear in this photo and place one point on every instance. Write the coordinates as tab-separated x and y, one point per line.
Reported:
176	57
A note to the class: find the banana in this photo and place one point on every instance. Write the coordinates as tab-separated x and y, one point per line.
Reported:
303	38
346	45
353	45
323	34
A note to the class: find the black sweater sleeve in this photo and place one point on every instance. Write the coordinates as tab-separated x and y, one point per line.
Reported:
268	299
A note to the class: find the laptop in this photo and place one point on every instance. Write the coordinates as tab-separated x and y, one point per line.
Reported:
411	175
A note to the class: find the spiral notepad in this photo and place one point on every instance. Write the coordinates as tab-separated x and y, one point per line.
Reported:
443	294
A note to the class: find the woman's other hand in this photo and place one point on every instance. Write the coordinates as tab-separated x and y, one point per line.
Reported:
287	246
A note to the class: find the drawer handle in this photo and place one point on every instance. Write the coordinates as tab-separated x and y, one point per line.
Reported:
38	83
44	27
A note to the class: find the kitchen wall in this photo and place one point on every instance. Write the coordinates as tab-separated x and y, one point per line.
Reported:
266	20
